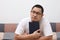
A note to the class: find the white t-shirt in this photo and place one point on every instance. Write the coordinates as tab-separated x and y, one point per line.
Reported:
23	26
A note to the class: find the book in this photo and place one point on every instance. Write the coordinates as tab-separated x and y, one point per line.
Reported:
33	26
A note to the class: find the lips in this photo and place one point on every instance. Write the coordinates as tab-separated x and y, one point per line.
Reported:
34	18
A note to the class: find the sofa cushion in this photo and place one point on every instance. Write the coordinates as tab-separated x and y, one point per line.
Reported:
8	35
1	27
53	25
58	35
57	27
10	27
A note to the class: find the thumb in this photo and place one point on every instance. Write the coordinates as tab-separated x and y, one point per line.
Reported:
38	30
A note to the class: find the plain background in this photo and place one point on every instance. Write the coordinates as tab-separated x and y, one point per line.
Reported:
12	11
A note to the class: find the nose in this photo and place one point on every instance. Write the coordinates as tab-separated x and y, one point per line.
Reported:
35	14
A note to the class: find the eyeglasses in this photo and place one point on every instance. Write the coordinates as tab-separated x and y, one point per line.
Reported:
36	12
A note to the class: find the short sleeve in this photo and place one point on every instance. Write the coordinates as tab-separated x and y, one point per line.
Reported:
20	28
47	28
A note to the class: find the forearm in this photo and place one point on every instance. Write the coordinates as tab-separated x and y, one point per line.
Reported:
46	38
25	37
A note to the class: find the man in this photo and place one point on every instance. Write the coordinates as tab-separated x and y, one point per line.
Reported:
36	14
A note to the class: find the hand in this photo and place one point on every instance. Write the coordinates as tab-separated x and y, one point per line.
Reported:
37	31
37	34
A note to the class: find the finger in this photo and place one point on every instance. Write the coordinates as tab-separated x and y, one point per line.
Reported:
38	30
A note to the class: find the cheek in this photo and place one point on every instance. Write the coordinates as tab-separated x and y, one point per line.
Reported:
39	17
31	14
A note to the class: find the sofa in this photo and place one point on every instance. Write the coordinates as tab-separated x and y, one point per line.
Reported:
56	30
7	31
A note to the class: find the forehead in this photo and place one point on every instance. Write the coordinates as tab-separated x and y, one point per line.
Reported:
37	9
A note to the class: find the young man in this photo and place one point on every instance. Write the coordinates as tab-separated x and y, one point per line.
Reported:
45	31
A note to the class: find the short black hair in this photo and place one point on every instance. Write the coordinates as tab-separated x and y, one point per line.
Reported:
38	6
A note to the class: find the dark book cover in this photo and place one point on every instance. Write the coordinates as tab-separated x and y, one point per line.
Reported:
33	26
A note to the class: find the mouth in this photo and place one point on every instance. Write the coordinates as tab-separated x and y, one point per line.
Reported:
34	18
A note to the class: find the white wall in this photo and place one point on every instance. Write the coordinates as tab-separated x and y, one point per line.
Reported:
12	11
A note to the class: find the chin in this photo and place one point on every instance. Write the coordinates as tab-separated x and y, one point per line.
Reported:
35	20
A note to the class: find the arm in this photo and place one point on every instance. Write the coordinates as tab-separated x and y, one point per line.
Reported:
34	35
24	37
47	30
46	37
19	33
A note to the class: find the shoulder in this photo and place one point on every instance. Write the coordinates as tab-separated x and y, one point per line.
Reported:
44	20
24	20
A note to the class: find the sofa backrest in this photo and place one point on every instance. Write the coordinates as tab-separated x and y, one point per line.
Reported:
8	27
55	27
12	26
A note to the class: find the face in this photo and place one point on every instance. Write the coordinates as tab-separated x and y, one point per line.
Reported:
36	14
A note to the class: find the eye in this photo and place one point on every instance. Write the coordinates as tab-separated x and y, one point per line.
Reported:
33	11
36	12
39	13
